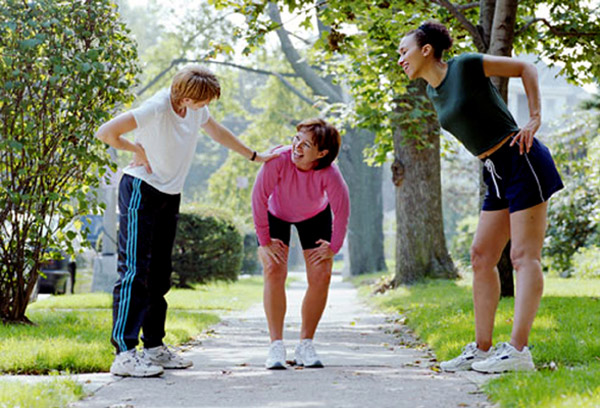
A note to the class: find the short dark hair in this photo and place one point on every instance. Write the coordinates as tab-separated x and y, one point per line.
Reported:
434	33
325	136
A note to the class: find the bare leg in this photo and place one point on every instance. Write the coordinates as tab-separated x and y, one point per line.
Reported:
315	299
528	228
493	231
274	299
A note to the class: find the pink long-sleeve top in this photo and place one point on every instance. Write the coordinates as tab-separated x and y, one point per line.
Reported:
293	195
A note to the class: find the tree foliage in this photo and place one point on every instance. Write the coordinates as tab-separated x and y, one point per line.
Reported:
63	65
574	214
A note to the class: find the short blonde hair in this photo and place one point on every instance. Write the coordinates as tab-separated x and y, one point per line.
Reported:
196	83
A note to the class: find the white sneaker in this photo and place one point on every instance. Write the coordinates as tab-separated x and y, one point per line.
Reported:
305	355
506	358
276	357
130	364
165	357
469	355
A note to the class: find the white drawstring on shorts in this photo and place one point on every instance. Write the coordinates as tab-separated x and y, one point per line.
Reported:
489	165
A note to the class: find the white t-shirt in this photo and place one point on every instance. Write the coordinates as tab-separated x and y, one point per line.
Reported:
169	140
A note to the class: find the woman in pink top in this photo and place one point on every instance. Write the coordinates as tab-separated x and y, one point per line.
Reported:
301	187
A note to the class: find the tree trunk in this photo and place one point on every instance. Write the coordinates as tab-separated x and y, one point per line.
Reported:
501	43
420	243
365	227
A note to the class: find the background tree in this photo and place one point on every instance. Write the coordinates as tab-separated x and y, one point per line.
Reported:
369	31
64	66
365	230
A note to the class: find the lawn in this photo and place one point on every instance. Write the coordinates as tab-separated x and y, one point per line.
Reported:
72	333
565	335
48	394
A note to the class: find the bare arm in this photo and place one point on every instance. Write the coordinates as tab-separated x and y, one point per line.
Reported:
509	67
111	132
222	135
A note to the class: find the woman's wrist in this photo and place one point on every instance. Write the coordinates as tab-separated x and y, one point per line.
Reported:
253	157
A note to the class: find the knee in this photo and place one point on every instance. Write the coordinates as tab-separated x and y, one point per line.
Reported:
480	260
274	273
521	258
320	277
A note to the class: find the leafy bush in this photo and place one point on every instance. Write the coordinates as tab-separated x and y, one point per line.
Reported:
574	213
460	246
64	65
207	247
250	263
586	262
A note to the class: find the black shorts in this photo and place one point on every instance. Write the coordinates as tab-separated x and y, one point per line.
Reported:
309	231
519	181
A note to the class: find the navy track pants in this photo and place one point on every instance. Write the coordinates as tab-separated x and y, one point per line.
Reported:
147	226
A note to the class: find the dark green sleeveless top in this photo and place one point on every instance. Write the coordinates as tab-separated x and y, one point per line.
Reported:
470	107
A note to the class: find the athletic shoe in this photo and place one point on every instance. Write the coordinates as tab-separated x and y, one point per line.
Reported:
130	364
305	355
506	358
469	355
165	357
276	357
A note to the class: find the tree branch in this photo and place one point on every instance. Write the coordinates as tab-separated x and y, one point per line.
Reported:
302	68
467	6
280	76
477	39
555	30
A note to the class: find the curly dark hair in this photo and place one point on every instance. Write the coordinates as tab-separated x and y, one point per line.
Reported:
434	33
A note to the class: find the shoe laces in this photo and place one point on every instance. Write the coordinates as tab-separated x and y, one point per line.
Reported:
309	351
501	348
468	350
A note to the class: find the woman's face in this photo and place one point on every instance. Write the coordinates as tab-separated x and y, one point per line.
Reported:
305	153
411	56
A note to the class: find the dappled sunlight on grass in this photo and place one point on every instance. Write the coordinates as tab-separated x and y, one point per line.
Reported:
49	394
218	295
566	332
72	333
77	301
566	387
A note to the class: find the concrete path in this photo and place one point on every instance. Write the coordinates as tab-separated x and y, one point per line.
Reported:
365	366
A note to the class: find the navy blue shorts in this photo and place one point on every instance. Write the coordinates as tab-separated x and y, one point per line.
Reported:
309	231
518	182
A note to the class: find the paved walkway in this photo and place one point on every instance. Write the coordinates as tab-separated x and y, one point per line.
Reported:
365	367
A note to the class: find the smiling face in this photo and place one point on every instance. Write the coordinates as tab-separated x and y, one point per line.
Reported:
412	56
305	153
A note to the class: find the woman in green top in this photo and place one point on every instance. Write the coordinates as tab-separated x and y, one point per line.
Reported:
520	175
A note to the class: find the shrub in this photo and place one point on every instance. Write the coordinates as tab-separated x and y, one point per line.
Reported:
460	247
64	65
250	263
574	213
586	262
207	247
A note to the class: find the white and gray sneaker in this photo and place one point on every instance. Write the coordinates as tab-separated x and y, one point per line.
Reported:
165	357
305	355
276	357
470	355
130	364
506	358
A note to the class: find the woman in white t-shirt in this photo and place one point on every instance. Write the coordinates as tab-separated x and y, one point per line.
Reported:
149	195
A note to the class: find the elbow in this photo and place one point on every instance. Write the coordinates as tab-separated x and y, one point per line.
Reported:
530	71
102	134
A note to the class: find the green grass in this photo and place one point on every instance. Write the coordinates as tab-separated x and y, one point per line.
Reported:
48	394
72	333
566	332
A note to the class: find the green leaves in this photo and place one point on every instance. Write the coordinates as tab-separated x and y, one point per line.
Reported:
67	65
